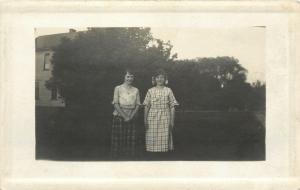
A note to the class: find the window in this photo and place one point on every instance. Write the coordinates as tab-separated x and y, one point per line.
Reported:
37	91
47	62
54	93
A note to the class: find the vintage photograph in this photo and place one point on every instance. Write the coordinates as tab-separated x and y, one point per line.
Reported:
150	94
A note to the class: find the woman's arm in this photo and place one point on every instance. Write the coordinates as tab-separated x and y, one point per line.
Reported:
146	111
134	112
137	105
147	103
121	112
173	104
116	104
172	117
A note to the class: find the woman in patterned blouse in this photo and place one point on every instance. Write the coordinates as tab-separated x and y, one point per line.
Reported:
159	115
126	102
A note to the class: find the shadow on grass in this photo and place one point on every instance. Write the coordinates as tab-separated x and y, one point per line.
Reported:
215	136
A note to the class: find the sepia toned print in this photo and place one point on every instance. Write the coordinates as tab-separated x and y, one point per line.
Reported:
221	115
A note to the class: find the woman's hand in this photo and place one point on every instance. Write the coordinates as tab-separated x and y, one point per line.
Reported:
172	118
146	111
126	118
133	116
171	124
121	112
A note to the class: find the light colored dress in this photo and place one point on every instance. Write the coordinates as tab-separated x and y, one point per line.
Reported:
158	135
127	98
123	137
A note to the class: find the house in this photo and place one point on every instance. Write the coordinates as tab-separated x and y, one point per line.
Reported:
43	56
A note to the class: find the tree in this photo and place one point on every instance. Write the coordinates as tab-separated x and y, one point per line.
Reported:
87	68
257	97
210	83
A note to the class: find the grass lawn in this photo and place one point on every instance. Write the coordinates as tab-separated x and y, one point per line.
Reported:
216	136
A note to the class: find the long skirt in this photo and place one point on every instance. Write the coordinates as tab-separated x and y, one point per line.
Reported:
123	139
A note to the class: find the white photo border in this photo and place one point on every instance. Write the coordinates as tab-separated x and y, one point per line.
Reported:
20	170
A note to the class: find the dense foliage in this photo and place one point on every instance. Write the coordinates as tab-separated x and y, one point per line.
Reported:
87	69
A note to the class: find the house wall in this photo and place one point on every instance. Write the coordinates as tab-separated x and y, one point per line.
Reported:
42	75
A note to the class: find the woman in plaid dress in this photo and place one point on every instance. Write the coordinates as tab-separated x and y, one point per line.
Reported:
159	115
126	102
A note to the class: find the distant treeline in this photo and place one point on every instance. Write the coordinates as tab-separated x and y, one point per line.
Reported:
87	68
215	84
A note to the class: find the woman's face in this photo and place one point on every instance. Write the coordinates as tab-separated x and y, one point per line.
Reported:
128	79
160	80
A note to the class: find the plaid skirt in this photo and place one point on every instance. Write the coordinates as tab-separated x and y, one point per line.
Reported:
123	139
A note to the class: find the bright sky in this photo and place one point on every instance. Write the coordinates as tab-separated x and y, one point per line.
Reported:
246	44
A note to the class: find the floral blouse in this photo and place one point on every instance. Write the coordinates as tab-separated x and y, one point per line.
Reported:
128	99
